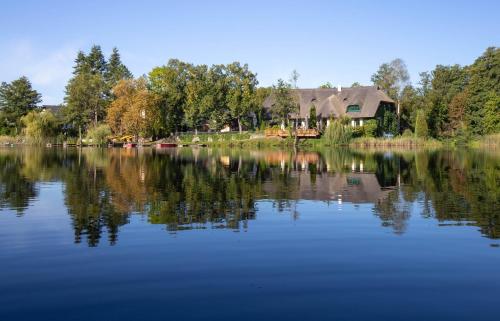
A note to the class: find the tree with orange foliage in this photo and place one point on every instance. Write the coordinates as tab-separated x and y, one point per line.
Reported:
135	110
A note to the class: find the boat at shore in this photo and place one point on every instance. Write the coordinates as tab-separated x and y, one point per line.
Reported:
166	145
130	145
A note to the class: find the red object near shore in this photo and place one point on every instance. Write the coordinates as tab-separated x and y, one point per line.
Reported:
130	145
165	145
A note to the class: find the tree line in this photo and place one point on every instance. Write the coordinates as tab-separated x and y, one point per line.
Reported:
448	102
104	99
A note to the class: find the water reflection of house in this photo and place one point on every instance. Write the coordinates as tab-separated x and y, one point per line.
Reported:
279	157
340	187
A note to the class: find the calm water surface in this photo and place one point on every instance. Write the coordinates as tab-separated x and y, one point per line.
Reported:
205	234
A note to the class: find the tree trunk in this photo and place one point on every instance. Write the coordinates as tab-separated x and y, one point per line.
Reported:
296	138
80	135
95	118
239	125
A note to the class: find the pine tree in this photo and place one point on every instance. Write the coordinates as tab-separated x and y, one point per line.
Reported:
116	70
16	100
95	60
81	64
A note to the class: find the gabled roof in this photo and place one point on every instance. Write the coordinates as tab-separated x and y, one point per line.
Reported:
331	102
53	108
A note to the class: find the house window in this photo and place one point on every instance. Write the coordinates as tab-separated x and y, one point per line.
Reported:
353	109
353	181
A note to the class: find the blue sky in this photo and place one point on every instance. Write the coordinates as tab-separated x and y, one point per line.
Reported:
337	41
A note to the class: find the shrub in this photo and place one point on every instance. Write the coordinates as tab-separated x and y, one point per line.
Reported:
338	133
99	134
370	128
407	133
357	131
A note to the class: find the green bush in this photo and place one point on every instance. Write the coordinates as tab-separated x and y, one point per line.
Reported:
370	128
358	131
407	133
338	133
99	134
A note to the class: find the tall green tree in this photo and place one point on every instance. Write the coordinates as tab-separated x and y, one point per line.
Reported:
115	69
411	102
85	101
313	118
241	91
16	100
447	81
483	85
491	120
261	94
88	93
421	129
198	99
95	61
169	82
285	102
392	77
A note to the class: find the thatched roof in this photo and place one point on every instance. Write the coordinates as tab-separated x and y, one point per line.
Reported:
55	109
331	102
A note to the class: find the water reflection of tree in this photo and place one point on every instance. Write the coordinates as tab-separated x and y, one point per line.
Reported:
196	195
186	189
457	186
89	199
16	190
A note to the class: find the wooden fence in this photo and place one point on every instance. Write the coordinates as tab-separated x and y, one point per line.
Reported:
277	132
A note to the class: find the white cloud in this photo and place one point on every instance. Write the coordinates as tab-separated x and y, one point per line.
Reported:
48	70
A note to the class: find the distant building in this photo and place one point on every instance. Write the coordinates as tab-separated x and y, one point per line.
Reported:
55	109
359	103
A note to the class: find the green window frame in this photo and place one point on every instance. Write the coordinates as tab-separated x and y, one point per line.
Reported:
353	181
353	109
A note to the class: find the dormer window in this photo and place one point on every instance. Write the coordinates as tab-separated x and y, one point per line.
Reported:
353	109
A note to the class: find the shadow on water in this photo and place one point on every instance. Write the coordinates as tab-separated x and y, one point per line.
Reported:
220	188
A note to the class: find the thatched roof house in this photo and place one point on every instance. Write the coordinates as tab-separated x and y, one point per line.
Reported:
356	102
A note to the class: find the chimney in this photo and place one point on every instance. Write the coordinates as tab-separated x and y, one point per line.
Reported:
339	88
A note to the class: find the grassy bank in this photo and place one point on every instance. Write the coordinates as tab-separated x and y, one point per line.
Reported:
397	142
246	139
257	139
489	141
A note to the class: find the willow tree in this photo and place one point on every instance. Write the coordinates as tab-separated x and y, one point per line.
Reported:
39	125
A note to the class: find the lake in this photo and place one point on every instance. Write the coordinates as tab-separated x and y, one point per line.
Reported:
229	234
